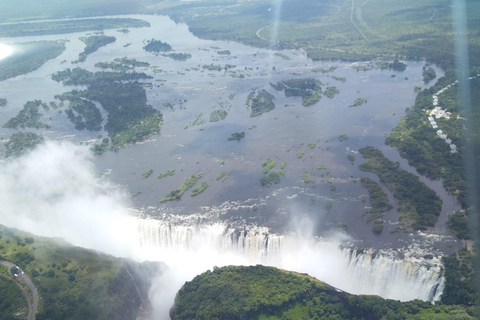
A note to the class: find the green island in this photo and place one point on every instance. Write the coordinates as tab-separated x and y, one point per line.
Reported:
377	226
177	193
341	79
266	293
378	198
261	103
331	92
272	178
351	157
220	175
79	76
70	26
133	195
93	43
167	173
300	154
84	115
237	136
282	168
146	174
343	137
358	102
306	178
421	205
29	56
282	55
76	283
218	115
20	143
397	65
428	74
3	102
311	145
28	117
224	52
178	56
321	167
157	46
199	189
122	64
129	119
268	165
309	89
325	70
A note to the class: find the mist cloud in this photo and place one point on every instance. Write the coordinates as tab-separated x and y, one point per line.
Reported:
54	191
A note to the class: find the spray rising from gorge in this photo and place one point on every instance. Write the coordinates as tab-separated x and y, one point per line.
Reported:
55	191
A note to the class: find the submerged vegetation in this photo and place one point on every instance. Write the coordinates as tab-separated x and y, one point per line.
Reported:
237	136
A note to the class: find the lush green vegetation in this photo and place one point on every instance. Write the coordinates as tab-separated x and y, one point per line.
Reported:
79	76
84	115
428	74
130	119
146	174
343	137
20	143
283	56
218	115
70	26
417	141
268	165
12	302
267	293
306	178
300	154
261	103
421	205
358	102
76	283
224	52
199	189
28	117
330	92
122	64
3	102
166	174
351	157
460	224
29	56
177	193
460	278
237	136
157	46
341	79
378	198
377	226
133	195
220	175
397	65
271	178
93	43
309	89
178	56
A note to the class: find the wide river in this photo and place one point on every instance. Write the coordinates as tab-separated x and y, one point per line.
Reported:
184	92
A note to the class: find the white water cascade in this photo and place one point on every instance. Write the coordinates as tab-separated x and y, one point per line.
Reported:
379	272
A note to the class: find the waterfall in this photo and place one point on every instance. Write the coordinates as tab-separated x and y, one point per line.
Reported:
404	275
